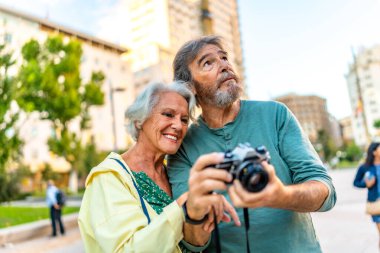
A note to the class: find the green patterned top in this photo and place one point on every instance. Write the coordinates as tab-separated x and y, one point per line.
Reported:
151	192
155	196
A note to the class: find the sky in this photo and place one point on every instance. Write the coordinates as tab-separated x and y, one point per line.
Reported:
289	46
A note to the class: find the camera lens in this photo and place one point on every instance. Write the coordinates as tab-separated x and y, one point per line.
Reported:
253	177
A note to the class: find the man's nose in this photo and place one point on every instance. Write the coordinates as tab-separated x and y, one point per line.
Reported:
224	66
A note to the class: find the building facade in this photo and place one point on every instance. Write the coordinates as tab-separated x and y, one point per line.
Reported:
311	112
158	28
346	129
107	121
363	82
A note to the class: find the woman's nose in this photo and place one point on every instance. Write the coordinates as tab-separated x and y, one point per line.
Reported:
176	124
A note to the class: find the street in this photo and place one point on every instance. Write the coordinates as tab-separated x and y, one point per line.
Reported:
345	229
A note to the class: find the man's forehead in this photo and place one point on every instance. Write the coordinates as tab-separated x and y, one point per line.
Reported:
210	48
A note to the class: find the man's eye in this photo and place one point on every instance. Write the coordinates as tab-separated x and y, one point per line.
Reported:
225	58
207	63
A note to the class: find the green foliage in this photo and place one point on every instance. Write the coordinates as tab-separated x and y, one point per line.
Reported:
9	140
50	83
353	153
328	146
9	183
376	124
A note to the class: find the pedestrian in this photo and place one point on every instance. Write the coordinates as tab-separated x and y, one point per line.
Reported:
55	209
367	177
128	204
298	182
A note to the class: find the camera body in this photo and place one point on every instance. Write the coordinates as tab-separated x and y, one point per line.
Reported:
244	164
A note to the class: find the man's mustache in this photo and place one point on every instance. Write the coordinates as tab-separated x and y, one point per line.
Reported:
227	75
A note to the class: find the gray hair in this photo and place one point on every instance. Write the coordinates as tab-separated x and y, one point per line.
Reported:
142	107
188	52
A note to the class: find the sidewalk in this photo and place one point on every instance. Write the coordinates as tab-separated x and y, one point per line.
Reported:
33	230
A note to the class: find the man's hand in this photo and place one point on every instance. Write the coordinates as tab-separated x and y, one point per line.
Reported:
202	182
304	197
201	200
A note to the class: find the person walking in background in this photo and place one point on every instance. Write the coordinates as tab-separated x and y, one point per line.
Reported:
55	209
367	175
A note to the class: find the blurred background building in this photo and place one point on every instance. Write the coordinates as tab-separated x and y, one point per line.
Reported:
154	32
107	126
311	112
158	28
363	82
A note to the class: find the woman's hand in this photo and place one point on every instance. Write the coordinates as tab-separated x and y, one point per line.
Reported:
225	208
370	182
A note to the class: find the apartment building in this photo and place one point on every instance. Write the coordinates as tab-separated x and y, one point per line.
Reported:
158	28
16	28
311	112
363	83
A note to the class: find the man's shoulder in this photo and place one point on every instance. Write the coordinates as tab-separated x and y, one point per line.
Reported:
263	104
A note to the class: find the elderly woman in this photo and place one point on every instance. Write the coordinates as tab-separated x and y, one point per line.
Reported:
128	205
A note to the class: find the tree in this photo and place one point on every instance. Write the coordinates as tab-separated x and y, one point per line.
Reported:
328	146
353	153
9	139
50	83
376	124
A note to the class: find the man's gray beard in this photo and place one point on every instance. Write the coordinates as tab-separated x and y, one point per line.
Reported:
220	98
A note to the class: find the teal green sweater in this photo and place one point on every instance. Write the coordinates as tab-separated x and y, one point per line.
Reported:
295	161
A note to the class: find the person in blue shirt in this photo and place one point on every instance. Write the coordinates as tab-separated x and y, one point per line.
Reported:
366	177
55	209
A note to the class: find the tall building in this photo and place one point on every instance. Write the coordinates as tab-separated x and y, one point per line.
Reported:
158	28
107	126
363	82
311	112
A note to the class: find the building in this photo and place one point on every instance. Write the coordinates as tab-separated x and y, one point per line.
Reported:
346	129
158	28
311	112
363	82
108	120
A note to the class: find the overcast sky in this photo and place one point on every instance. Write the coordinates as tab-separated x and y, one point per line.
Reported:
289	45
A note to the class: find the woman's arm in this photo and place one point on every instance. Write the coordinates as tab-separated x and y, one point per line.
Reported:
359	177
117	223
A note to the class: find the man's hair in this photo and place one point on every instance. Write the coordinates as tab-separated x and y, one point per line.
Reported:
188	52
142	107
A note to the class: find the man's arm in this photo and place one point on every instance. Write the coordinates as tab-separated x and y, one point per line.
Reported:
304	197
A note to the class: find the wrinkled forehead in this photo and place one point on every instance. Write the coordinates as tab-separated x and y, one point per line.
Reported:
208	50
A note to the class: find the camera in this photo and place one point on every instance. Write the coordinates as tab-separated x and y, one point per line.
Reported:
244	164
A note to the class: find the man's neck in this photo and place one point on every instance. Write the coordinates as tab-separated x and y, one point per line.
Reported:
216	117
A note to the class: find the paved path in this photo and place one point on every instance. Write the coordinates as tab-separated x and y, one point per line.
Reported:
345	229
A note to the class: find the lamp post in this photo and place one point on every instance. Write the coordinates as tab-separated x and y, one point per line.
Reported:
114	132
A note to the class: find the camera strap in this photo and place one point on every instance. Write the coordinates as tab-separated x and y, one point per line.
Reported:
246	225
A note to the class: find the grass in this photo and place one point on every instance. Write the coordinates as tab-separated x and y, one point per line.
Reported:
346	164
12	215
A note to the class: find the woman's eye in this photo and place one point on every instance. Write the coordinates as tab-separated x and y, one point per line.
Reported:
225	58
185	120
168	114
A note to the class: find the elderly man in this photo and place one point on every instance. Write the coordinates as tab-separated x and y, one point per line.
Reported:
298	183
